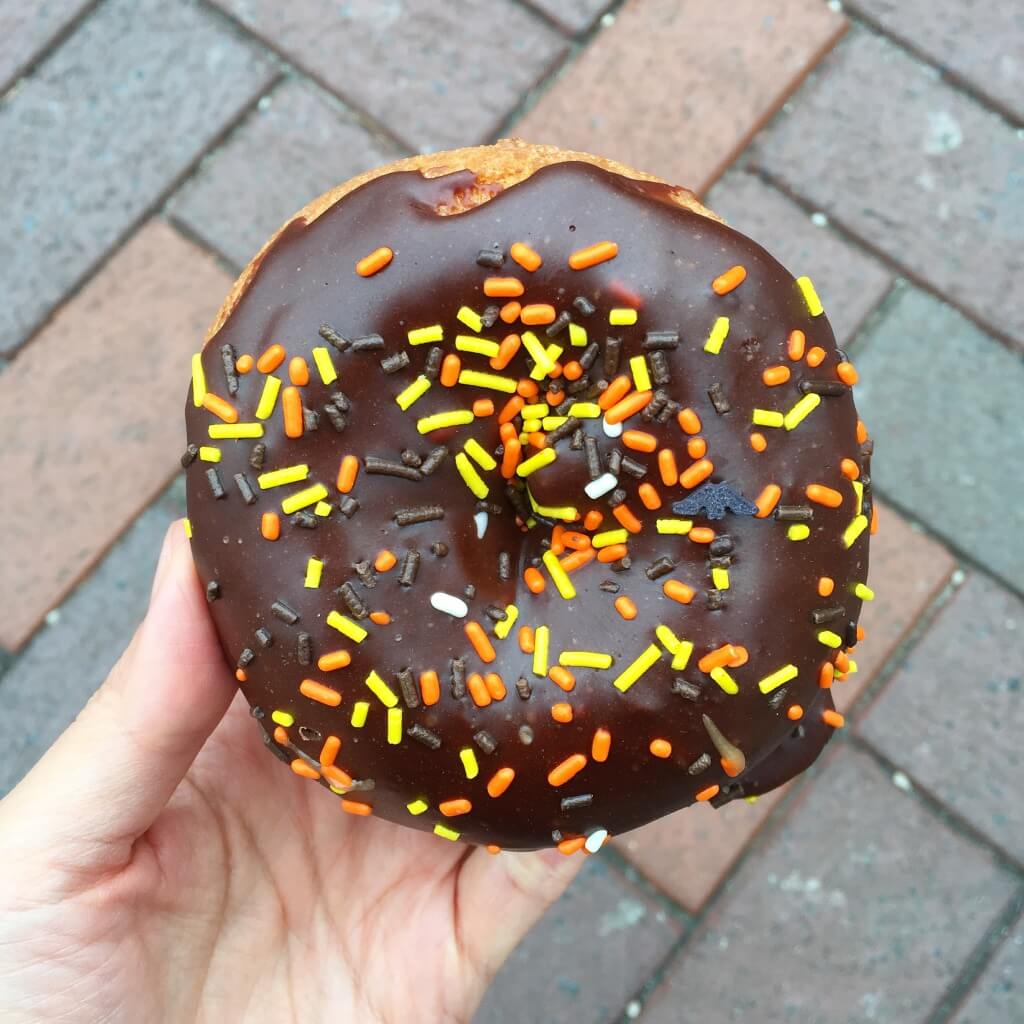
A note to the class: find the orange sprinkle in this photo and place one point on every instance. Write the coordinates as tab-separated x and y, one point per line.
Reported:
573	371
847	374
741	657
842	661
329	751
526	257
568	769
570	846
860	633
678	591
775	375
220	408
639	440
623	514
612	553
245	363
822	495
758	441
718	658
562	678
689	421
336	777
578	559
708	794
849	469
280	735
298	371
495	685
696	447
291	406
732	278
601	744
862	432
451	367
601	252
333	660
592	520
815	356
510	410
701	535
480	641
649	496
385	560
241	675
307	771
626	607
557	547
347	473
526	639
483	407
615	392
271	359
510	459
537	313
874	518
478	689
321	694
534	580
500	781
826	674
667	467
527	388
825	586
575	540
795	713
430	687
270	526
767	500
555	397
629	406
661	748
506	352
380	618
509	313
452	808
833	718
355	807
795	345
695	474
493	849
503	287
561	712
376	261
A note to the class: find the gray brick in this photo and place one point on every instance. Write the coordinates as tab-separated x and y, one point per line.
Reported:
944	401
98	132
863	907
952	717
297	144
584	959
998	996
64	663
882	144
26	28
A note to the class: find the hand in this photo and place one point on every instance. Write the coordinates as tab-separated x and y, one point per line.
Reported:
160	865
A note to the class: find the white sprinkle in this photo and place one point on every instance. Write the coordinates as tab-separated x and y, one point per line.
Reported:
602	485
819	220
480	518
450	604
596	840
900	781
611	429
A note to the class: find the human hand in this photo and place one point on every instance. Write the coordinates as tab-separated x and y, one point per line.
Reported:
159	865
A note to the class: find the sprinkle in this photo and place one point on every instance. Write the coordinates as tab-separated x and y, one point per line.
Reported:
360	710
270	526
641	376
833	719
480	641
637	668
767	418
621	317
708	794
577	335
537	313
198	380
334	660
673	526
777	678
541	644
585	659
814	306
720	578
216	487
417	806
758	442
695	474
381	690
773	376
718	399
271	359
208	453
626	607
717	336
394	726
234	431
798	531
854	530
314	570
562	713
426	335
441	420
661	748
321	694
559	576
285	718
492	258
346	627
767	500
416	390
543	458
410	567
830	639
470	477
601	486
822	495
592	255
503	628
678	591
629	406
863	591
469	763
732	278
449	604
526	257
815	356
453	808
801	410
503	287
285	475
562	678
303	499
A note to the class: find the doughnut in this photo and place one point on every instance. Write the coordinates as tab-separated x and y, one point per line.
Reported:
530	500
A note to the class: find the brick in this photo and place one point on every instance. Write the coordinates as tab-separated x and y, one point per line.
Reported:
585	958
917	169
951	718
59	670
678	87
850	283
998	996
26	29
91	416
943	399
438	75
295	145
863	906
979	43
572	15
98	133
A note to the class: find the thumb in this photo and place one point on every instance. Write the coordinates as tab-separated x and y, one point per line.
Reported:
105	780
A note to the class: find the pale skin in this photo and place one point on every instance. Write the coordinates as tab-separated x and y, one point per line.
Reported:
158	864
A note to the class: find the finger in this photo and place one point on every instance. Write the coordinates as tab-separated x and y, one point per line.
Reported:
112	771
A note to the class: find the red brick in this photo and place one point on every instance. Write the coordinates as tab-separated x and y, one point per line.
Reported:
572	15
28	28
91	416
678	87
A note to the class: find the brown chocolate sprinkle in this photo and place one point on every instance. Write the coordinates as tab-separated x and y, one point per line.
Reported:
563	430
310	419
365	574
793	513
523	688
504	567
352	601
609	586
485	741
189	455
375	465
612	356
719	561
304	649
264	637
819	616
635	469
458	673
702	764
584	306
659	567
655	341
407	684
439	548
410	458
216	487
434	459
525	735
622	565
367	343
246	658
558	325
489	317
495	613
660	372
310	735
850	635
776	700
227	359
395	362
418	514
492	258
658	402
718	399
432	367
341	401
721	545
212	591
574	803
349	507
258	456
305	520
576	442
825	388
469	590
515	497
332	337
618	496
579	387
685	689
669	412
716	600
245	489
338	419
421	734
284	612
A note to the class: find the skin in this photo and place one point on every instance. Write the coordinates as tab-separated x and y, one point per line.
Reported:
159	864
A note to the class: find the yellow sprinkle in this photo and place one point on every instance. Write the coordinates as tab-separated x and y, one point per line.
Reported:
585	410
551	354
674	526
585	659
641	377
682	656
609	537
534	412
479	454
552	422
851	666
541	643
503	628
863	591
415	391
801	410
798	531
854	530
478	346
567	512
394	726
476	379
285	475
858	489
577	335
304	498
468	758
717	337
768	418
324	365
234	431
830	639
208	453
425	335
543	458
537	352
285	718
417	806
777	678
445	832
360	710
344	625
322	509
268	399
720	578
529	426
188	528
470	318
381	690
667	638
637	668
814	306
558	575
724	680
314	570
455	418
622	317
198	380
470	477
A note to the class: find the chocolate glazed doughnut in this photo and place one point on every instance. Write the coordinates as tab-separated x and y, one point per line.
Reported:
531	500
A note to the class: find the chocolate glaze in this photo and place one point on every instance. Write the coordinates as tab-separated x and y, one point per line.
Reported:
667	258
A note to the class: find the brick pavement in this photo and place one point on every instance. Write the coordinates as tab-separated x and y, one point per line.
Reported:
149	146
